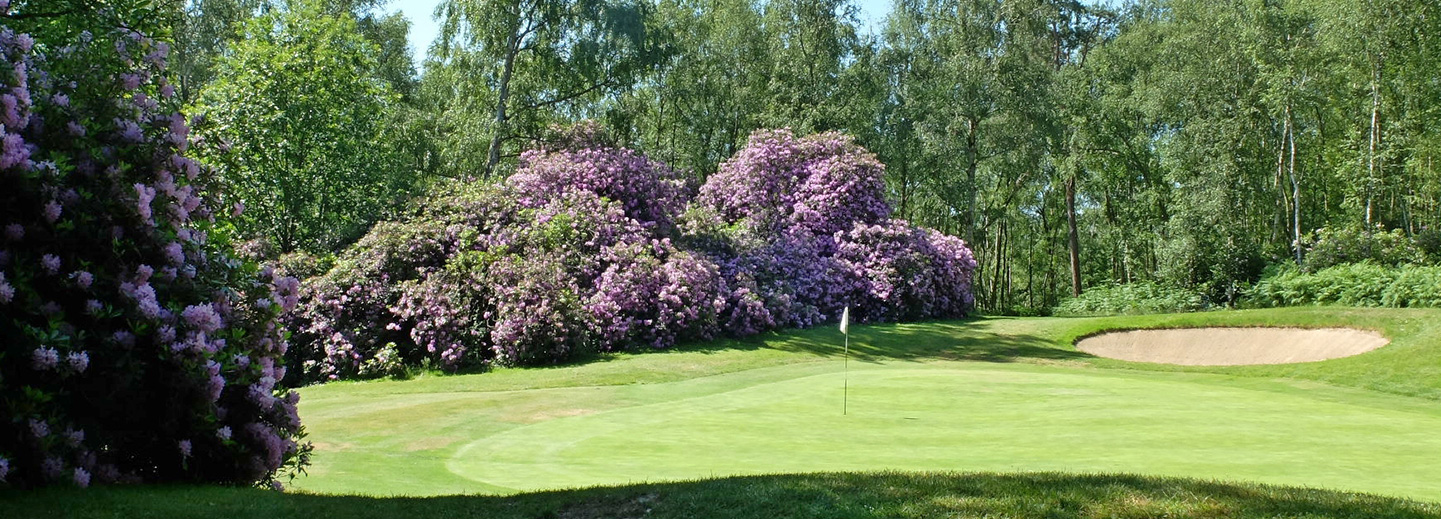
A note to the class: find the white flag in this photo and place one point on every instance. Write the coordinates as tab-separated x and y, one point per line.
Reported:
845	320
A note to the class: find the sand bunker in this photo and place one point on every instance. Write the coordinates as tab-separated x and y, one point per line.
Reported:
1232	346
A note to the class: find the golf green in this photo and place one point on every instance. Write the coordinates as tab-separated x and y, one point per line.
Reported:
780	410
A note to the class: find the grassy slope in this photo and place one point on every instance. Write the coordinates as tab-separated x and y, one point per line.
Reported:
837	496
738	407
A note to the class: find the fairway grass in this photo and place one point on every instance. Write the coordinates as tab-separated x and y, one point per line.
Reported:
979	395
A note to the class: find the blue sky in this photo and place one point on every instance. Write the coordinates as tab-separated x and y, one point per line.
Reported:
423	27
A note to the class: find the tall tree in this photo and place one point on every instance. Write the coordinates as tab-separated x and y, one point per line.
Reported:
303	122
526	61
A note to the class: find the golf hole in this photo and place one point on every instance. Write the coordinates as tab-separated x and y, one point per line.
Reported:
1232	346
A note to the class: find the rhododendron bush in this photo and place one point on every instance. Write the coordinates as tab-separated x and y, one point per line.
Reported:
593	247
135	347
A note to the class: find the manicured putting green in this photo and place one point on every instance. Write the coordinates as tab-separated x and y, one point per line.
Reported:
975	418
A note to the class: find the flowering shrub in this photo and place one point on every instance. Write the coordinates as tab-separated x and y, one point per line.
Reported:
590	247
649	192
897	271
821	184
136	346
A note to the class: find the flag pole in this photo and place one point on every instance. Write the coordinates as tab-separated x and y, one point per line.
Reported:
846	363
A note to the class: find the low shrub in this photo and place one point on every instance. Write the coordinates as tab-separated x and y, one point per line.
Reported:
1141	297
1355	284
1326	248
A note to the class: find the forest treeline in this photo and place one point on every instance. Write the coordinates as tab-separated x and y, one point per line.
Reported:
1073	144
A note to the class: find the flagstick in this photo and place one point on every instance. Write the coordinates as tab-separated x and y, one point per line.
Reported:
846	363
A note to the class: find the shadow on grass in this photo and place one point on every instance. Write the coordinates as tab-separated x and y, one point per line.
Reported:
916	341
830	495
928	340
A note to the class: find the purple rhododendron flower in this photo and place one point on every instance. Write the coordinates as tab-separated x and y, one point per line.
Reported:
82	478
74	437
78	361
184	446
13	151
51	263
14	232
44	358
202	317
52	211
144	196
129	131
174	253
130	81
84	279
10	111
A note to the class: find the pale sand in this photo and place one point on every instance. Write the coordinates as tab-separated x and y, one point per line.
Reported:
1232	346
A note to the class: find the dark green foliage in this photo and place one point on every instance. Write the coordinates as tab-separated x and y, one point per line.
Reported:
1331	247
1141	297
1355	284
306	130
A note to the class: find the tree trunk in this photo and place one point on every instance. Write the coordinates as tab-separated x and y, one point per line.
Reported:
1295	189
1075	239
502	98
972	163
1375	139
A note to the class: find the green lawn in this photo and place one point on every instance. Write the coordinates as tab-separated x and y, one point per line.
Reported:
978	395
993	417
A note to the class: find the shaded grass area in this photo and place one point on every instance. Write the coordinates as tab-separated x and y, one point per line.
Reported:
825	495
